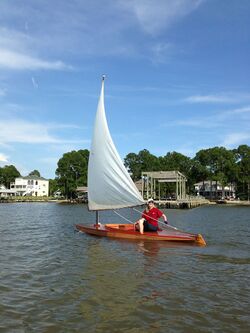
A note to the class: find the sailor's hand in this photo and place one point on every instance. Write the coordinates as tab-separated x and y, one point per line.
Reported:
166	221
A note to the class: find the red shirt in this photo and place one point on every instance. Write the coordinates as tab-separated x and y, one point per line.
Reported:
152	216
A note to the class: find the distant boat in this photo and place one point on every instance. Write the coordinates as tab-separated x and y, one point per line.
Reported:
110	187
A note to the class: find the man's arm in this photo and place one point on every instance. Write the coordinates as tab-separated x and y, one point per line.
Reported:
165	218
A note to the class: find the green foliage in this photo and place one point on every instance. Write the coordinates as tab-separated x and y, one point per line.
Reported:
218	164
72	171
53	186
243	171
8	174
143	161
175	161
35	173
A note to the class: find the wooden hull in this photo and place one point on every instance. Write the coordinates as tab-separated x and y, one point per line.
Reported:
126	231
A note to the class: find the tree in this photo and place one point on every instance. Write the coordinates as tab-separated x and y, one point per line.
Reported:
219	164
72	171
8	175
53	186
1	176
35	173
175	161
243	163
132	163
143	161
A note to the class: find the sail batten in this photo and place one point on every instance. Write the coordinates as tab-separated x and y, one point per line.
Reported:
109	183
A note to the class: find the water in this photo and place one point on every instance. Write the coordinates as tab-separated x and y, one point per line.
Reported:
53	279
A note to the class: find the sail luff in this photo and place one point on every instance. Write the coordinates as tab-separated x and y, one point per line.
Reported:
109	183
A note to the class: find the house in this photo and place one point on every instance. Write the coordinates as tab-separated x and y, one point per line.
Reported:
82	193
31	186
214	190
5	193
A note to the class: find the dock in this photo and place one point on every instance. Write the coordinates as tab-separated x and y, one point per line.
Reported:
187	203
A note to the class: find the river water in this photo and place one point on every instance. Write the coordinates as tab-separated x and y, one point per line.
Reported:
53	279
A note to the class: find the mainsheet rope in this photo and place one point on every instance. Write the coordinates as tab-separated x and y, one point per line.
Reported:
164	224
122	217
138	211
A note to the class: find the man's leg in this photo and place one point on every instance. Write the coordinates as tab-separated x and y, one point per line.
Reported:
141	225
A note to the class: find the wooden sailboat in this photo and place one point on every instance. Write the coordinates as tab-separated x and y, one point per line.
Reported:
110	187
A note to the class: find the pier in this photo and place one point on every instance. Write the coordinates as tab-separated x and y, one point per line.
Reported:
188	203
151	186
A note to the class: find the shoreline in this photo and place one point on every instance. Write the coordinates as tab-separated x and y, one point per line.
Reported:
169	205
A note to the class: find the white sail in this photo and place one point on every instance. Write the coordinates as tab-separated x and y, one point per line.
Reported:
109	183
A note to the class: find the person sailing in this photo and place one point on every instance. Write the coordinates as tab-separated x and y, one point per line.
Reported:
150	216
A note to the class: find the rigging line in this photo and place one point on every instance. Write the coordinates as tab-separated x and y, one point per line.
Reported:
122	217
165	225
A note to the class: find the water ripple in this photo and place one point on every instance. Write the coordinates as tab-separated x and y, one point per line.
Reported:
55	280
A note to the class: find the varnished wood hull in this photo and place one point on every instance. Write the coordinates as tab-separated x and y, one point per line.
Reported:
126	231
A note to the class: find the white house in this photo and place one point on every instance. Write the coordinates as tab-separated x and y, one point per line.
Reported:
31	186
5	193
215	190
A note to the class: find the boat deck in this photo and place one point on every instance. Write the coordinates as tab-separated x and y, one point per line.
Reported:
127	231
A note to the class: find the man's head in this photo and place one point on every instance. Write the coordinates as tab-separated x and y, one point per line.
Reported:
150	202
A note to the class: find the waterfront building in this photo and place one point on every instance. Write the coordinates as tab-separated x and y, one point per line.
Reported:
5	193
214	190
151	181
82	193
31	186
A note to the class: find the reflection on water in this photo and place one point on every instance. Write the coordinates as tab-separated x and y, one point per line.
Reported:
53	279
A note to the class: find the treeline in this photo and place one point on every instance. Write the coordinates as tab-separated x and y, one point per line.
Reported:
217	164
8	174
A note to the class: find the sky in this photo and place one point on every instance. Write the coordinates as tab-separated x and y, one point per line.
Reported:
177	77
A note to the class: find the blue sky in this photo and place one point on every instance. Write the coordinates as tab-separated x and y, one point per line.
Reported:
177	71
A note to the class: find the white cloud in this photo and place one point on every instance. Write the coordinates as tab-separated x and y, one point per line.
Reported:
206	122
245	109
233	139
207	99
155	16
27	132
3	158
17	52
223	119
218	98
53	34
15	60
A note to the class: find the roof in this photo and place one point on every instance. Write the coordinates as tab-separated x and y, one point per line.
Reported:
207	182
82	189
34	177
164	176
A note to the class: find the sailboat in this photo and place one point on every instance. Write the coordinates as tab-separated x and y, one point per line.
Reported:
110	187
